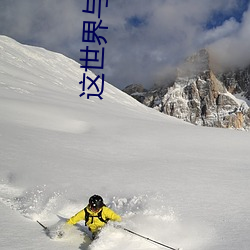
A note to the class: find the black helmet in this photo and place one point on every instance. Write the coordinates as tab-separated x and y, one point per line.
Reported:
96	202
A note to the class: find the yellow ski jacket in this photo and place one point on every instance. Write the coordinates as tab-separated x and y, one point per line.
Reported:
94	223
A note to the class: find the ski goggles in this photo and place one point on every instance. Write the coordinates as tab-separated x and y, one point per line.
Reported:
94	208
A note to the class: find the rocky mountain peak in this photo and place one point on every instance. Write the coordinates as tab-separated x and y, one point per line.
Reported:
202	97
196	64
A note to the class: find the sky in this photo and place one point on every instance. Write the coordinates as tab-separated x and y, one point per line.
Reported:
182	185
147	38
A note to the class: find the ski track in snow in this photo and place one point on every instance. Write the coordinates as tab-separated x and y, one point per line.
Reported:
42	116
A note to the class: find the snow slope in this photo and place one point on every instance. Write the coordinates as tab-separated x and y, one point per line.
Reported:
173	182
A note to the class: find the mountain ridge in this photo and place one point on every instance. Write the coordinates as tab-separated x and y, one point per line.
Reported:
200	95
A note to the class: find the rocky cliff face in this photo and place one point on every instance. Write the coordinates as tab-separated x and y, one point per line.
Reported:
201	97
237	81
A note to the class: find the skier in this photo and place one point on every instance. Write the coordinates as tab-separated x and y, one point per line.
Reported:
95	214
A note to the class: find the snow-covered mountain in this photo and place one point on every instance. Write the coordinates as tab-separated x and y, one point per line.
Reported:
182	185
201	96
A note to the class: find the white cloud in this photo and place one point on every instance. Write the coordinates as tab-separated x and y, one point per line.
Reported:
171	31
228	28
233	50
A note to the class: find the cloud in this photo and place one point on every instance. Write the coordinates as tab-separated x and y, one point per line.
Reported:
52	24
171	31
146	38
228	28
233	49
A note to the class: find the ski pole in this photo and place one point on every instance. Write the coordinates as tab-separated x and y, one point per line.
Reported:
146	238
45	228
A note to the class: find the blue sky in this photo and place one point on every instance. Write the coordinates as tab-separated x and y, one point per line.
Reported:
146	39
218	17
